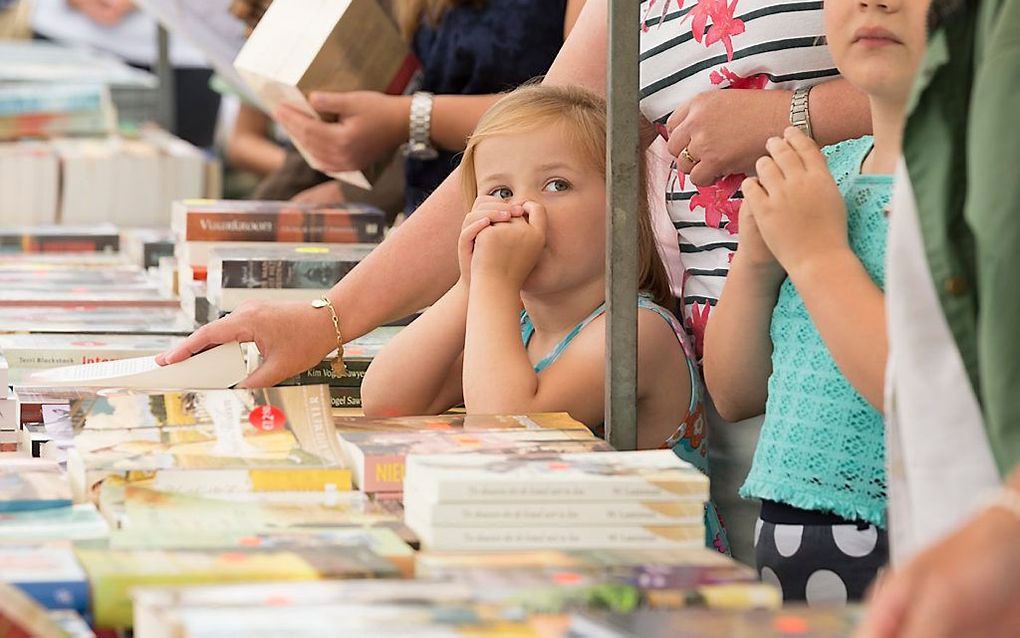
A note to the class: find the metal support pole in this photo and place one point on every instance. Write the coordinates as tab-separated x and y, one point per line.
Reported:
623	187
166	114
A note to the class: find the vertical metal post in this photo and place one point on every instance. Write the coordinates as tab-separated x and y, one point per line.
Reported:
165	73
623	187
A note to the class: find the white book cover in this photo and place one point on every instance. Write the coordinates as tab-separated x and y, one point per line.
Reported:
646	475
218	368
29	352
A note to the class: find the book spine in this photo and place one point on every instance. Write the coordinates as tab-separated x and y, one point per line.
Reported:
39	359
554	515
566	491
29	243
280	273
285	226
561	538
323	373
344	397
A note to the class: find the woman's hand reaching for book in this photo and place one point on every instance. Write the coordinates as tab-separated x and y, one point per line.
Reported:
291	336
369	125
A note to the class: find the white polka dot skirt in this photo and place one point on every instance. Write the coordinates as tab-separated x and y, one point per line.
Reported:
820	564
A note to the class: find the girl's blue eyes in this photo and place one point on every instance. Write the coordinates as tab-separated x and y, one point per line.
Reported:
552	186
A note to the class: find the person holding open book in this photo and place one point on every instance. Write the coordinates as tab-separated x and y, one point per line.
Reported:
470	50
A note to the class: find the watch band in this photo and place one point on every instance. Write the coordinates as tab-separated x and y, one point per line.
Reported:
419	143
800	115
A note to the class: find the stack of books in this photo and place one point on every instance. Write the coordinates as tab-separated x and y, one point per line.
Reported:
602	500
53	110
200	226
377	454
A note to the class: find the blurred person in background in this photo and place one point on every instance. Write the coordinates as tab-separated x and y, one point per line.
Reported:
470	51
119	28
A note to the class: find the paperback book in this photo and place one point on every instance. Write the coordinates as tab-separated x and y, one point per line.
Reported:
219	367
32	484
267	221
646	475
273	439
29	352
114	573
95	320
64	239
333	46
48	573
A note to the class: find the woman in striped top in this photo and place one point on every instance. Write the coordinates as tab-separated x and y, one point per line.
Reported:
690	48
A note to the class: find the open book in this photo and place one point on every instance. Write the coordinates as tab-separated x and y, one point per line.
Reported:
217	368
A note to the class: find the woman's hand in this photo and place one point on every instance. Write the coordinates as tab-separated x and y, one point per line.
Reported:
369	125
509	251
725	131
487	210
324	193
967	585
291	336
796	204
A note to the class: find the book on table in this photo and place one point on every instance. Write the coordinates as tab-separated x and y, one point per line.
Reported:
220	367
271	439
22	617
27	353
47	572
32	484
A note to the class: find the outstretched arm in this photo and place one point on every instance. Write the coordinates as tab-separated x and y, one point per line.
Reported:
414	266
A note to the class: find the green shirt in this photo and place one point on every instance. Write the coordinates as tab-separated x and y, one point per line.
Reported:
962	149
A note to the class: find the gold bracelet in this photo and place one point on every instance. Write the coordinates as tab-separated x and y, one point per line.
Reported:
339	368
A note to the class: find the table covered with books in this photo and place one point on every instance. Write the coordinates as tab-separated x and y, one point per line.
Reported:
195	511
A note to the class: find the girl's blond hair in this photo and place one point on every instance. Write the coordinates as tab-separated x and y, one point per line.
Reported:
411	13
583	115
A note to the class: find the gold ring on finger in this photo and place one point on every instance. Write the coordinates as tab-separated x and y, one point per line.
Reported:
686	154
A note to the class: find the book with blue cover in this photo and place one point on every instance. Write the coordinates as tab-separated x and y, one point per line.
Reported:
48	573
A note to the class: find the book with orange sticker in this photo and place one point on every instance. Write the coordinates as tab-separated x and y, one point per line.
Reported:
272	439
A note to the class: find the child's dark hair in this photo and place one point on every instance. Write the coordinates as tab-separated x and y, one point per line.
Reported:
584	116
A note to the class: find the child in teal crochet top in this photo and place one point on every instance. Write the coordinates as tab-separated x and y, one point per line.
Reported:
800	329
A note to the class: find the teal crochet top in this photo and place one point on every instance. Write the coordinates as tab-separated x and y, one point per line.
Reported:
822	446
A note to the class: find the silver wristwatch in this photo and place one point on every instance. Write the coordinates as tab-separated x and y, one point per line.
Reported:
799	115
419	145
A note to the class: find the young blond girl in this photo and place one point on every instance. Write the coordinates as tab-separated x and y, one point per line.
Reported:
800	330
523	329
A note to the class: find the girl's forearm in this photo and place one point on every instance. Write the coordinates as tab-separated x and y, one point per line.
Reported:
849	311
411	375
498	377
738	348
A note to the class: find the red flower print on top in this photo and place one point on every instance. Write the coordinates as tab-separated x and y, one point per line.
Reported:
724	26
756	81
662	16
718	202
699	321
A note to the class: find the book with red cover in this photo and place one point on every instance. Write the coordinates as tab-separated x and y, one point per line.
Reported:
224	221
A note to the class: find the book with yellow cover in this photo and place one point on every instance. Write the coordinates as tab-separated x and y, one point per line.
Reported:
113	573
273	439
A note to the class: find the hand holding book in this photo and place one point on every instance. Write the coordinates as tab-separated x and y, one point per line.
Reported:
292	337
367	126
